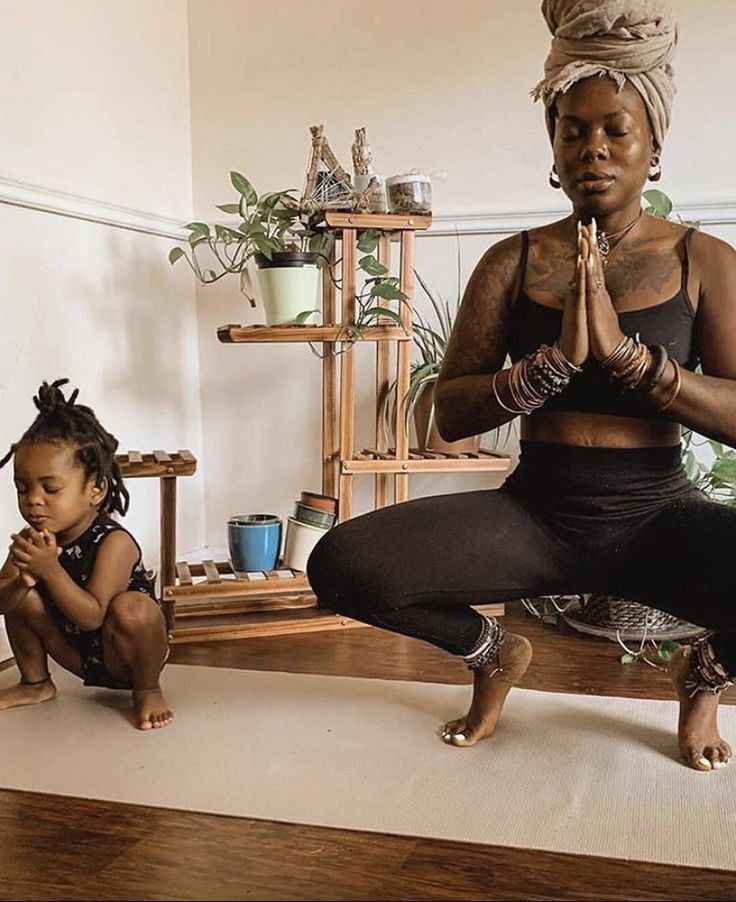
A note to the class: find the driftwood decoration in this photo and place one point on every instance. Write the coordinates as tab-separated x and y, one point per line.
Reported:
362	154
327	185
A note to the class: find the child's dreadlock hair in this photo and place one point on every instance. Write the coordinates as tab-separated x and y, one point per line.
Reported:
62	421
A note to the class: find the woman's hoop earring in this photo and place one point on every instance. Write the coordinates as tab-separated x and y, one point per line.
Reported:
655	169
554	179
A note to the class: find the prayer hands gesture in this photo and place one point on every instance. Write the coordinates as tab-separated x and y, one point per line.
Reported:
589	322
35	554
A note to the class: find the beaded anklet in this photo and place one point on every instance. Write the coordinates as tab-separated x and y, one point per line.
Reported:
488	645
706	674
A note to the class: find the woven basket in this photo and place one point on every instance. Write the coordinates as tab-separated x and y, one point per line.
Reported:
606	615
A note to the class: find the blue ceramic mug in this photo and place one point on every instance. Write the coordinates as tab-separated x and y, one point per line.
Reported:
255	541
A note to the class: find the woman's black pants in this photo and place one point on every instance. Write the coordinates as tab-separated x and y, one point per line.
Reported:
623	522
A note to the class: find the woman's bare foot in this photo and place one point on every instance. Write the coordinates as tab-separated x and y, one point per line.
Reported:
490	689
152	711
25	694
701	746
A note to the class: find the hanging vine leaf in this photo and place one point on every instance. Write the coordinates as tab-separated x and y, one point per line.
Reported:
368	241
244	188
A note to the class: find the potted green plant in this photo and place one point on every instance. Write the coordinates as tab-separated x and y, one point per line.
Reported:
288	252
269	232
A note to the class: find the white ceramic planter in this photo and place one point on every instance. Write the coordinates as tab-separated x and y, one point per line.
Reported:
300	541
288	291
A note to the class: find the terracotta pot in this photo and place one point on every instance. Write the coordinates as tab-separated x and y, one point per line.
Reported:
321	502
428	436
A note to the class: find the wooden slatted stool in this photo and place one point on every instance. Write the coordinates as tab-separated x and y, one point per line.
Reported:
167	467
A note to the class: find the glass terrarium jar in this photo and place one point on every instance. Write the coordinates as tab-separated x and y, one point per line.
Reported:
411	193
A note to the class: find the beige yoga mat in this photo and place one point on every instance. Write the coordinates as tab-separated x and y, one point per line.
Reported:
569	773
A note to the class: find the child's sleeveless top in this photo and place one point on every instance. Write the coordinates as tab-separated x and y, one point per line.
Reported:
78	558
670	323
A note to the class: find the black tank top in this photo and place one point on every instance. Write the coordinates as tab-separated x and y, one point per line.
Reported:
670	323
78	558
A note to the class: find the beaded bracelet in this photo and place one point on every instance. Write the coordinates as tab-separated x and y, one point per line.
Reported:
536	377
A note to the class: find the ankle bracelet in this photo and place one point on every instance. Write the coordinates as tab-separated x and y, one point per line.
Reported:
488	645
706	674
35	682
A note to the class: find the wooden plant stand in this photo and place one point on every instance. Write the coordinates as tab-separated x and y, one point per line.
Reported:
167	467
211	601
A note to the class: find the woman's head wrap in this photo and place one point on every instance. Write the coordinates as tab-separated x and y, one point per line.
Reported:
630	40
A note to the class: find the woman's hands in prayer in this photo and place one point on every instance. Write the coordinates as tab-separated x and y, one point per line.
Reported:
604	332
589	321
574	340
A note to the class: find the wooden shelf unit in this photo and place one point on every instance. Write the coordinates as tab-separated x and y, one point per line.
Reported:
212	602
167	467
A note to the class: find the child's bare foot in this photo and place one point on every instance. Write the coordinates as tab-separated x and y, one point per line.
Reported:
700	744
151	709
27	694
490	689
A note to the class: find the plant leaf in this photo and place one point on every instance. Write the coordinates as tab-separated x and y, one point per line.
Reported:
175	254
371	265
374	312
229	208
368	241
659	204
302	317
628	658
265	245
388	292
244	188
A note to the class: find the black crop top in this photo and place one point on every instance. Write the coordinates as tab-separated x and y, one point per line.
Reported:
670	323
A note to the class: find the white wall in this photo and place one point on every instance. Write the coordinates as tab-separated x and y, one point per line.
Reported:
96	126
440	86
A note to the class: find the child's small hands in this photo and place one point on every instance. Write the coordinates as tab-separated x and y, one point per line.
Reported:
25	577
35	553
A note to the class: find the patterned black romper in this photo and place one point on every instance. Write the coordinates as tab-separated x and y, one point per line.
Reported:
78	560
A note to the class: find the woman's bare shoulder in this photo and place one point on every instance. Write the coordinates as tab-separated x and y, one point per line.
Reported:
503	254
708	248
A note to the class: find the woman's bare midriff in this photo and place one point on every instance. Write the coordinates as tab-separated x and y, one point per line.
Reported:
598	430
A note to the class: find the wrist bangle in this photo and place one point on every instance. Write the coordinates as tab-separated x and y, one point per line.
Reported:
677	386
659	365
498	397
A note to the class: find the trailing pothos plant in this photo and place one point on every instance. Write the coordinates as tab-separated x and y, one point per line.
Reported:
270	223
266	224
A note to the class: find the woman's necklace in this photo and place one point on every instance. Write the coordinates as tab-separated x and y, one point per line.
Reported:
604	239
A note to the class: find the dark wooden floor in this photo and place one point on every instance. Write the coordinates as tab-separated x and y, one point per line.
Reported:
53	847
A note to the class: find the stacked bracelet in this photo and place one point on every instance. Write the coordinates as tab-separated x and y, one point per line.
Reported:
659	365
676	386
536	377
627	363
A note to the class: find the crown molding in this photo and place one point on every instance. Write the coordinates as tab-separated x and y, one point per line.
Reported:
449	221
488	221
58	202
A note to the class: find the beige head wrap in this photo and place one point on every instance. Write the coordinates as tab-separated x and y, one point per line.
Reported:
630	40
